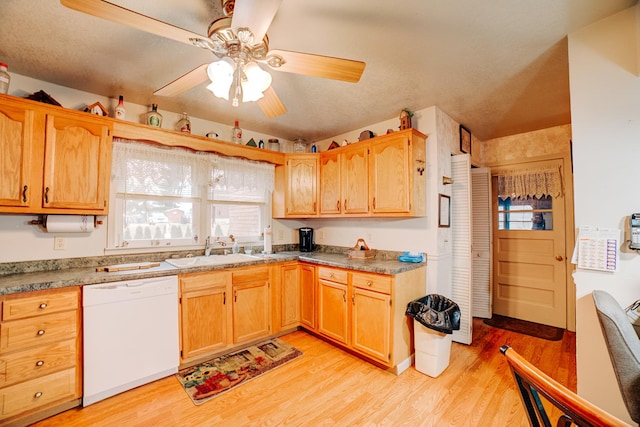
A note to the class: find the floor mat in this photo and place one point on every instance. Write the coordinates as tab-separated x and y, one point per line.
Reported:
538	330
216	376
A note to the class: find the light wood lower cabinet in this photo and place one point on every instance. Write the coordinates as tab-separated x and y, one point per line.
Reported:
289	295
204	311
40	365
220	309
308	312
365	312
251	303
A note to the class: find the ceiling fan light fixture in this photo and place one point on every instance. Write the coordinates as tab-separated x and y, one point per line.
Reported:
255	81
221	75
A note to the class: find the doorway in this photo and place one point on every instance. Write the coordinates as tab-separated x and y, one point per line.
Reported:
529	255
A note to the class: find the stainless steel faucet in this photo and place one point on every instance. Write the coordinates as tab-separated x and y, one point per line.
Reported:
207	246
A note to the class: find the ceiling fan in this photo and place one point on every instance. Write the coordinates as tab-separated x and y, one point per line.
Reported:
240	42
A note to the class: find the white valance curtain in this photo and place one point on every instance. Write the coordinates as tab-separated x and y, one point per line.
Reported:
523	183
139	168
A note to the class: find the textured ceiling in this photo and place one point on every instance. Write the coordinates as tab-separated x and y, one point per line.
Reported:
499	67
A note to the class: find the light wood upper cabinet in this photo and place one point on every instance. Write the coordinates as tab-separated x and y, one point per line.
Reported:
54	160
397	178
330	180
381	177
301	185
77	163
16	133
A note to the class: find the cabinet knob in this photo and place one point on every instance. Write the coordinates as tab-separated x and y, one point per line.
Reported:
38	395
559	258
42	306
41	332
40	363
369	283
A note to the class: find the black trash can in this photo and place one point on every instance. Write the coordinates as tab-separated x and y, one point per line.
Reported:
435	317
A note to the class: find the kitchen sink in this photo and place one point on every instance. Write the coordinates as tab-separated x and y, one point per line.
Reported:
210	260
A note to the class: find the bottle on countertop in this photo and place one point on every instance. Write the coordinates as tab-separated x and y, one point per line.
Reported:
5	78
154	118
120	112
237	134
235	248
184	124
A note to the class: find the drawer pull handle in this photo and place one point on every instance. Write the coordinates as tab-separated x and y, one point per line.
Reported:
24	193
40	363
38	395
41	332
42	306
46	195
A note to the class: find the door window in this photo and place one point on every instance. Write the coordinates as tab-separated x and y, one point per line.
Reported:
525	213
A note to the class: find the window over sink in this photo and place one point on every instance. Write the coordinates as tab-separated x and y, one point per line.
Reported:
163	196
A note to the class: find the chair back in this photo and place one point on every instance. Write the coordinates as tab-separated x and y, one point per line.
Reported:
623	345
533	384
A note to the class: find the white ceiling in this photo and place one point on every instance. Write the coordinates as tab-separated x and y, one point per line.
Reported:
499	67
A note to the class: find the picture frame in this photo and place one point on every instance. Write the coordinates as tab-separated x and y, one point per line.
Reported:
465	140
444	211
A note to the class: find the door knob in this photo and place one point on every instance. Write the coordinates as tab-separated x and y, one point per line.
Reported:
559	257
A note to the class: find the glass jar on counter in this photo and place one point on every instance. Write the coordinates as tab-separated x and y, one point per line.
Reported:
274	144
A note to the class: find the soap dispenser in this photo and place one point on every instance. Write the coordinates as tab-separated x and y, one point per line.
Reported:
235	248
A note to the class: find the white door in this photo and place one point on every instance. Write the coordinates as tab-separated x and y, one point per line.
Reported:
481	241
461	291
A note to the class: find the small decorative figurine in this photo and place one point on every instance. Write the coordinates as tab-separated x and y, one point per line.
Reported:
405	119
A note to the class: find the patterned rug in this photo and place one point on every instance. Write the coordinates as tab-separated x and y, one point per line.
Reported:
537	330
207	380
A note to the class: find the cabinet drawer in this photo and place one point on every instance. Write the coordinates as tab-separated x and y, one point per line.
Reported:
30	395
39	305
372	282
34	363
22	334
200	281
339	276
251	274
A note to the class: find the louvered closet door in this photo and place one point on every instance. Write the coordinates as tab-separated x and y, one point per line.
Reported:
461	245
481	241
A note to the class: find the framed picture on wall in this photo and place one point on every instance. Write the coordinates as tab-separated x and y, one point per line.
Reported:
465	140
444	216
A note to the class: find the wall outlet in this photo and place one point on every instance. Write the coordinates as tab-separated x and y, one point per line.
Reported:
58	243
280	235
322	235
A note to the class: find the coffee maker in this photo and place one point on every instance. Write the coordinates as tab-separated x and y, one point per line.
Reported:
306	239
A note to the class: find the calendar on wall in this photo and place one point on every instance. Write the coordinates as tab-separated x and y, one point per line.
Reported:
597	248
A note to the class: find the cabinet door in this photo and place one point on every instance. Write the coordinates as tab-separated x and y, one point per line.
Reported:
308	296
251	310
355	181
205	310
333	310
390	177
301	185
330	200
76	167
289	296
371	324
18	157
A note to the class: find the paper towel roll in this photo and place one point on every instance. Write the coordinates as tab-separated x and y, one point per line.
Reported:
69	223
267	240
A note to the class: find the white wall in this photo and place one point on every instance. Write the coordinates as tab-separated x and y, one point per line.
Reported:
605	110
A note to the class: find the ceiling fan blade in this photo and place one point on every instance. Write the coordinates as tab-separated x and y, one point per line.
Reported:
255	15
270	104
326	67
120	15
183	83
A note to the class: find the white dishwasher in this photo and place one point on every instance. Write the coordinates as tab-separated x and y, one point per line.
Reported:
130	335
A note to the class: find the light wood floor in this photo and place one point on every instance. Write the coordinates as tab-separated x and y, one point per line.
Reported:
328	387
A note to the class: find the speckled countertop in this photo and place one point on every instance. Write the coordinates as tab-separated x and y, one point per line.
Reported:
23	277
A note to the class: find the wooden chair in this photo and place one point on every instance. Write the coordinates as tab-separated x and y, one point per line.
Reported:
533	383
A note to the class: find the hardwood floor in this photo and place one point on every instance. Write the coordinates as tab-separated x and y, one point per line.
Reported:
328	386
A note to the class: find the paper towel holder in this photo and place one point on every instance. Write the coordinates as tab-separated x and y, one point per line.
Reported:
42	221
